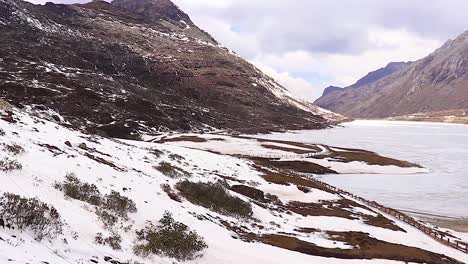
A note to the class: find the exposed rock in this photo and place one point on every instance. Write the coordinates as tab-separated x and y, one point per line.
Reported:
83	146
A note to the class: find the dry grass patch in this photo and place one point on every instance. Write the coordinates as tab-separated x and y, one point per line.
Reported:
369	157
183	138
320	209
292	150
282	179
298	166
343	208
364	247
382	221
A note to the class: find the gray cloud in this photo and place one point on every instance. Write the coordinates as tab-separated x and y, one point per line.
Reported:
331	26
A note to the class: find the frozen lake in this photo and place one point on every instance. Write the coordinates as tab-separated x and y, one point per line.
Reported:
442	148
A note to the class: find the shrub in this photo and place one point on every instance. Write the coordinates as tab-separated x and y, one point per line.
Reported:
7	165
14	149
74	188
176	157
156	153
109	208
119	204
44	220
2	132
215	197
108	218
168	190
170	238
171	171
113	240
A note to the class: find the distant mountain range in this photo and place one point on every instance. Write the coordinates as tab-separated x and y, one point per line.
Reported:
438	82
370	77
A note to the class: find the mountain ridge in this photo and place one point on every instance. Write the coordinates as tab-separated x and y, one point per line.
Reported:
368	78
434	83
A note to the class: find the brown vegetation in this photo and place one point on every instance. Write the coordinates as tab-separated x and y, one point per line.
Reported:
183	138
299	166
283	179
250	192
364	247
370	158
293	150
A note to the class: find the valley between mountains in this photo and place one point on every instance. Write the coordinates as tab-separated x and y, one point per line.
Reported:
129	135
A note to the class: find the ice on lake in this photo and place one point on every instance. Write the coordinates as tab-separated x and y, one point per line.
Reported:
442	148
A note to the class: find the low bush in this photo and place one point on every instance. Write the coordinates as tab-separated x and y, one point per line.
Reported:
108	218
169	238
113	240
109	208
156	153
214	196
176	157
168	190
8	165
30	213
171	171
14	149
119	204
74	188
2	132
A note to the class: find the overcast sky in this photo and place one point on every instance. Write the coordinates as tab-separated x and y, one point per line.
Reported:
310	44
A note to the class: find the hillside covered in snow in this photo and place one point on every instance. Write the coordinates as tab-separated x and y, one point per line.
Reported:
69	197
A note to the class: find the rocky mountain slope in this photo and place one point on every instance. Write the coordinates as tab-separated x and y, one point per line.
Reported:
70	197
369	78
132	67
435	83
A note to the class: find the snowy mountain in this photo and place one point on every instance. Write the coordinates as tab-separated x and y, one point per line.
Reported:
69	197
128	68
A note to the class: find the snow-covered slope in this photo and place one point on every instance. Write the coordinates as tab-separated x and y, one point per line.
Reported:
52	151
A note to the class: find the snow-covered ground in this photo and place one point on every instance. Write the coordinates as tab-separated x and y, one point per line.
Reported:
135	177
441	148
247	146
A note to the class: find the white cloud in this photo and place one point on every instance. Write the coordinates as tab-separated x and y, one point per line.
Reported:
343	69
297	86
